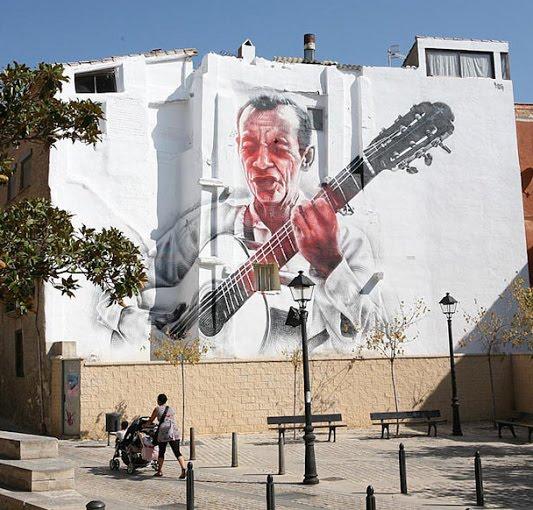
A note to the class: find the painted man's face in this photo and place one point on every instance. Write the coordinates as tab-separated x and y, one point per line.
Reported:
270	153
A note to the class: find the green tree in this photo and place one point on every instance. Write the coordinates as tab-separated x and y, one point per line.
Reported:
30	111
38	242
389	336
521	330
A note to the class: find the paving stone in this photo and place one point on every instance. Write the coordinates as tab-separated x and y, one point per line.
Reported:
440	473
54	500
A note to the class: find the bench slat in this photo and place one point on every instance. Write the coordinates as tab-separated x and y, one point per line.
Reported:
282	420
402	415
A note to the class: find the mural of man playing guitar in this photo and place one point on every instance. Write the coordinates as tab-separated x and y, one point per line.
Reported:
274	147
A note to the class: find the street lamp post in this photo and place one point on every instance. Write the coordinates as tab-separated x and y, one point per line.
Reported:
448	305
302	291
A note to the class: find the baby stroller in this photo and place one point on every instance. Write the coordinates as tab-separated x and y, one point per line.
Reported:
136	449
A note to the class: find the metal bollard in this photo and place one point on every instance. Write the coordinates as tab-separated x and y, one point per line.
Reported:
403	470
480	499
281	455
234	452
370	498
192	445
189	494
270	493
95	505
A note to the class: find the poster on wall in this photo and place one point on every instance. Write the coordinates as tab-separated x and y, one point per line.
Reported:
279	204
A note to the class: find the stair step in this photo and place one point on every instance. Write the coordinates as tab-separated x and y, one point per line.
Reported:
53	500
36	475
26	446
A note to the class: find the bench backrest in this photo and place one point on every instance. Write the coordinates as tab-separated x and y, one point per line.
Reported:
522	416
293	420
402	415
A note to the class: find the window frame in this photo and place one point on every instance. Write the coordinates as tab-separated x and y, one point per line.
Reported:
504	55
19	353
310	113
12	184
94	74
460	67
25	178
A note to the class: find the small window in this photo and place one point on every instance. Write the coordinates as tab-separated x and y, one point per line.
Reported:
506	70
25	172
98	82
316	117
266	278
461	64
19	353
11	185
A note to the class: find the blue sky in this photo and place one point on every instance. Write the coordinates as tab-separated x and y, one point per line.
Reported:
347	31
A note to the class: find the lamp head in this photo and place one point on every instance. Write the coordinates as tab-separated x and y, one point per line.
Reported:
448	305
302	289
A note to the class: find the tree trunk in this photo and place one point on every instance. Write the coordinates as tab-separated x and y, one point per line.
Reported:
395	394
492	393
40	361
182	399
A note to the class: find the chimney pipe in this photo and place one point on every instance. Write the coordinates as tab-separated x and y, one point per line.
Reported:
309	47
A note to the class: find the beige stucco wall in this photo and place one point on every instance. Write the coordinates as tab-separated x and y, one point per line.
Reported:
225	396
523	382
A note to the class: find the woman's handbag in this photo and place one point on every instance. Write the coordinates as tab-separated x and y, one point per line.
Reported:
159	428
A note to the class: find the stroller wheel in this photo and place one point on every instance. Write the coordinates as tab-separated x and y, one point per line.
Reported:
114	464
131	468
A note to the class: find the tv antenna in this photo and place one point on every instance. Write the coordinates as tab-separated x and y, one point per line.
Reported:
393	53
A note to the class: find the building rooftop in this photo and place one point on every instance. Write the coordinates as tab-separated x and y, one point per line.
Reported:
186	52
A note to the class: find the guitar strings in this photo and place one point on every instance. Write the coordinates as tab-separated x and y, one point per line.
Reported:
284	233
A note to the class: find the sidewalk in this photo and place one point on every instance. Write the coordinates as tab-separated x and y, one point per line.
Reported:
440	473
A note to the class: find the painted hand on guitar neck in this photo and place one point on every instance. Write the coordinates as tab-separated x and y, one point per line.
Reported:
316	230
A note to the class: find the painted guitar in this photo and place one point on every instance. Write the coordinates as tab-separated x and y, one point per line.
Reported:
226	292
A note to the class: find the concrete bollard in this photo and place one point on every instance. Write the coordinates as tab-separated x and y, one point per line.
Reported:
234	452
370	498
270	493
281	455
95	505
403	470
480	498
189	489
192	445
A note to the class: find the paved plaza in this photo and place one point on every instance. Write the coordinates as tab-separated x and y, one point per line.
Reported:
440	473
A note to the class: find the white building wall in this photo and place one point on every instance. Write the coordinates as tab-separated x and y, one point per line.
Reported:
456	226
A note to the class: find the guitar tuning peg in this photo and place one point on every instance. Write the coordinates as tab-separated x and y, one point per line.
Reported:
445	147
402	128
418	116
428	158
411	170
412	143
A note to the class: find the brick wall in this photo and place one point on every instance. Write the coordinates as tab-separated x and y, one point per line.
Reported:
225	396
523	382
25	408
524	133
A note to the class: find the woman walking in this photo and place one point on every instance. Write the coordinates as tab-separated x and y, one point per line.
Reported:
167	433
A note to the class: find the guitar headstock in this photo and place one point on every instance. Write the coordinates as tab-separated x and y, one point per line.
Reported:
411	137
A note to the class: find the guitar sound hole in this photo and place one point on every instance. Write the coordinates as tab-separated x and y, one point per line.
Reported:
214	317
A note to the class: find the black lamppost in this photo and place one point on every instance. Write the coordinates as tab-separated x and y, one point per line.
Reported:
448	305
302	291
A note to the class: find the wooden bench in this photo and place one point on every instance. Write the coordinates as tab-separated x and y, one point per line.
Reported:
518	419
329	421
430	418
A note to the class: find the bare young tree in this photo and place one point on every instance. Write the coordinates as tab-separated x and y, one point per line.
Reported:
180	352
389	337
295	358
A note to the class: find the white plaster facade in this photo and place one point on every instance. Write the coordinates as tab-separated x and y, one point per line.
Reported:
455	226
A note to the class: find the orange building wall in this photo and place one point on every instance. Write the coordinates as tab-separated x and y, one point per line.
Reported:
524	129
